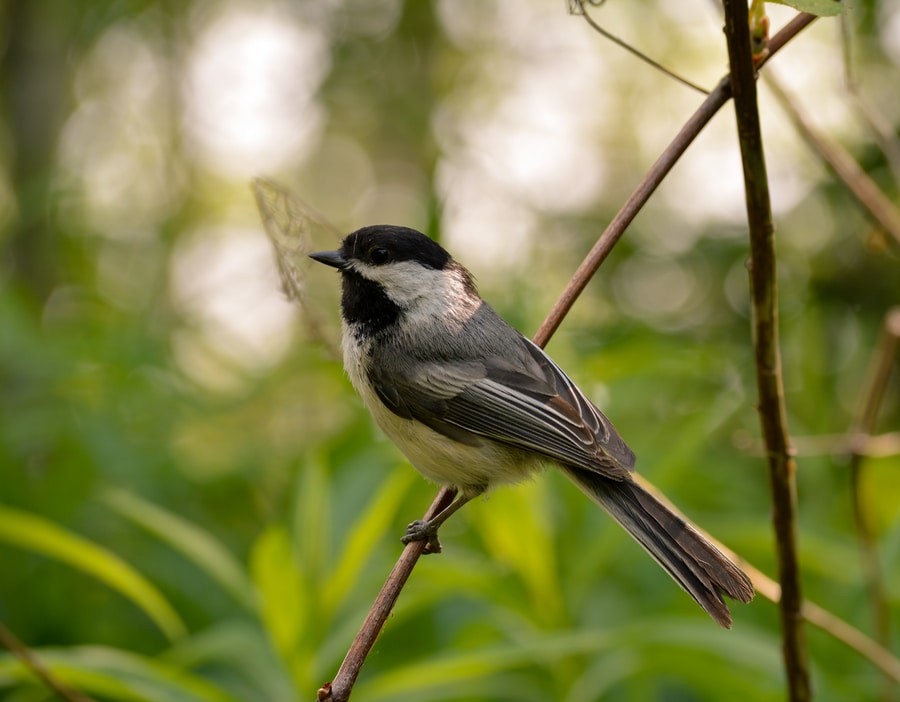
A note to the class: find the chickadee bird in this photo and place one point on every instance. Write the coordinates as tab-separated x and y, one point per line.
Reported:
472	403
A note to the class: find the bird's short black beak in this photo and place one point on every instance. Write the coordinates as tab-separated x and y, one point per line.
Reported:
329	258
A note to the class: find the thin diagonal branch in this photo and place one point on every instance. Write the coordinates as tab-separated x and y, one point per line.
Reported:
576	7
764	295
34	664
881	128
867	193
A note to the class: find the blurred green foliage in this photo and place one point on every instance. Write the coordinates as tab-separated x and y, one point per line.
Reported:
193	503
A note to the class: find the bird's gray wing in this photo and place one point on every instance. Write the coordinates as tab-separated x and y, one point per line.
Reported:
530	404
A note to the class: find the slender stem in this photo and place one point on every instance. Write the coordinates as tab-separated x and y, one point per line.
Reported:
764	295
577	7
12	643
867	193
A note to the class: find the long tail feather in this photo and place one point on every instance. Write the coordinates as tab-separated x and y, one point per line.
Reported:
694	563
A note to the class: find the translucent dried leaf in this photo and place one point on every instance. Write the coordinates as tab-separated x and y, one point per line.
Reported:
297	230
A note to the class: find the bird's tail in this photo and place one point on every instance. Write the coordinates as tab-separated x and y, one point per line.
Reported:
694	563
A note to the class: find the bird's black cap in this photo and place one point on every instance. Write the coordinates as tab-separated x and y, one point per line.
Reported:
383	243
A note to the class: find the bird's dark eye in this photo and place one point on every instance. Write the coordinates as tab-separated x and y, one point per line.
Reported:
379	255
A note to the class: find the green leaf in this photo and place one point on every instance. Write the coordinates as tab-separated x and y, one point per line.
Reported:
880	492
310	538
459	667
42	536
196	544
240	647
640	648
366	531
518	535
822	8
285	600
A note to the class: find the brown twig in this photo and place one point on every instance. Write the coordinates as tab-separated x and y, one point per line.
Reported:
576	7
873	394
11	642
764	295
860	185
339	689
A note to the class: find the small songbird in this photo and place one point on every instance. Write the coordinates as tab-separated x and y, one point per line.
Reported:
472	403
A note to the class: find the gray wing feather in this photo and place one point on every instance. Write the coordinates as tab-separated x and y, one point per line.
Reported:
530	404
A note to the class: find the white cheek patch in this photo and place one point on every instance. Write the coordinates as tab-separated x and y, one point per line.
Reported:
403	281
424	293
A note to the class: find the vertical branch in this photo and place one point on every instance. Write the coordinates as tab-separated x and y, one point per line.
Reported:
766	346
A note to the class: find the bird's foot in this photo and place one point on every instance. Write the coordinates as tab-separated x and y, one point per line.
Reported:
423	531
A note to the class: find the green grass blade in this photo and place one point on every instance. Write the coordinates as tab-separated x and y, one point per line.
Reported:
34	533
366	531
196	544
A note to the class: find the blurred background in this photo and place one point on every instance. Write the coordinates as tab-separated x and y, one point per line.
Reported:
193	503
